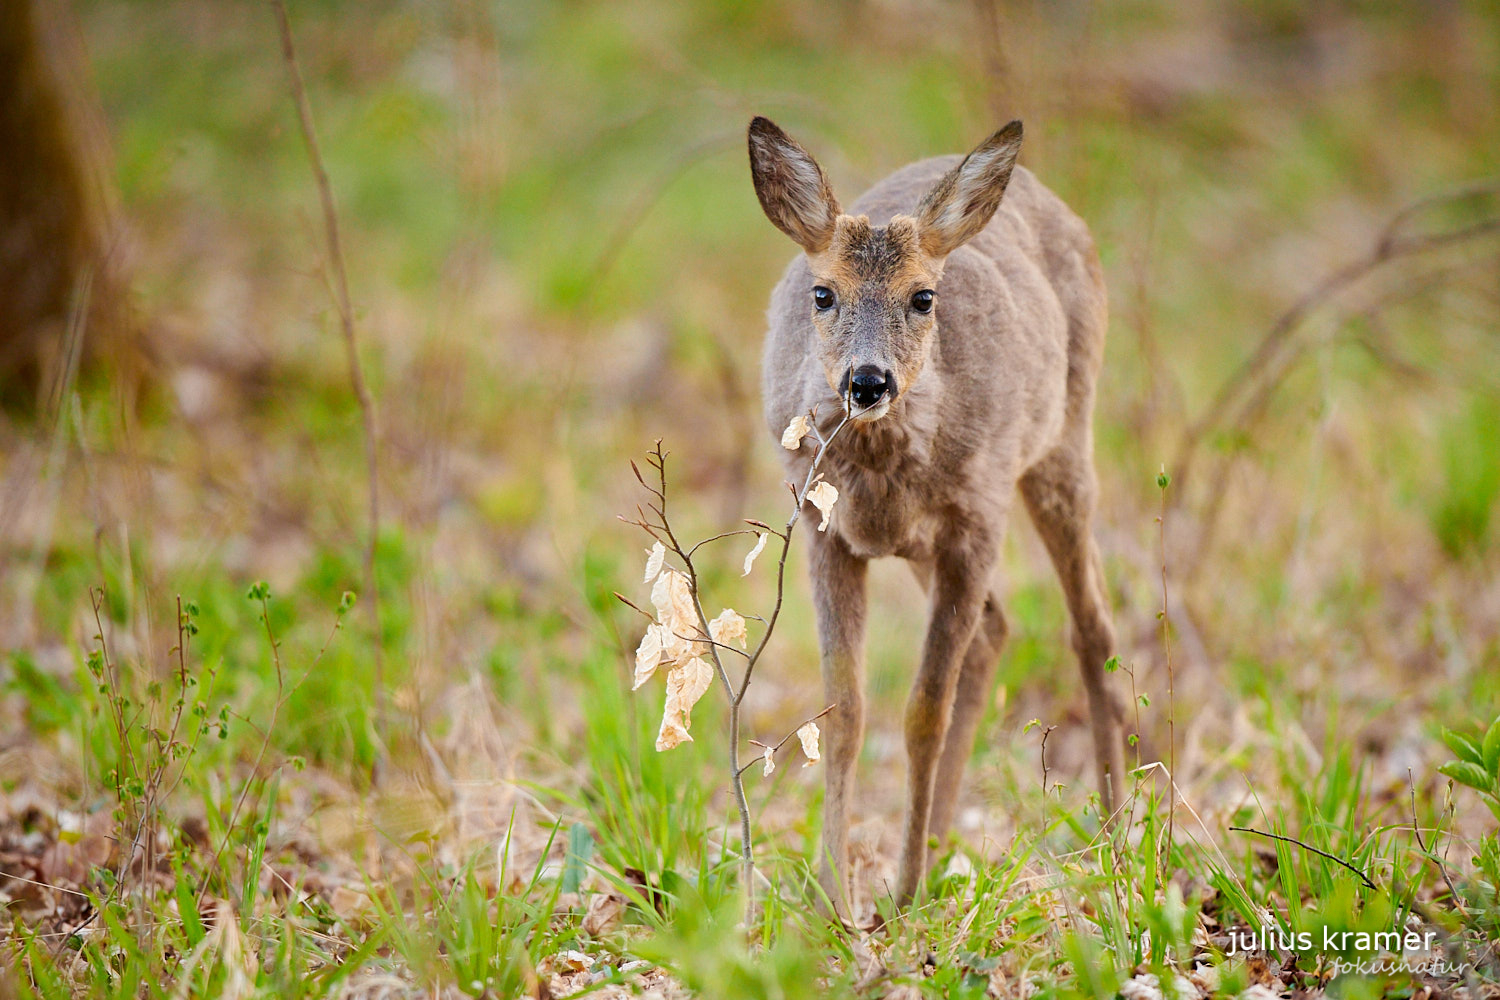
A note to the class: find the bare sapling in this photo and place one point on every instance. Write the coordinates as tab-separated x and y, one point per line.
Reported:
697	650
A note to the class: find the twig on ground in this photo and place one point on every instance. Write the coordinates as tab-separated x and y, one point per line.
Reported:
1308	847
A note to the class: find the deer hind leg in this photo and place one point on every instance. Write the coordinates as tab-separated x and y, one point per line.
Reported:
1060	491
974	680
960	585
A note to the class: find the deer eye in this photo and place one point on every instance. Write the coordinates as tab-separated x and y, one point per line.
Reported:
922	301
823	298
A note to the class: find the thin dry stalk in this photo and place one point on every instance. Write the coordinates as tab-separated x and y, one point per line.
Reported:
260	757
340	286
283	695
1431	856
1045	769
1163	481
59	397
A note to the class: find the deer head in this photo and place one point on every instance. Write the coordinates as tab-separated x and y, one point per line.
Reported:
873	297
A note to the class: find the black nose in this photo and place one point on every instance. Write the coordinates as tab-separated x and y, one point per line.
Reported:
868	386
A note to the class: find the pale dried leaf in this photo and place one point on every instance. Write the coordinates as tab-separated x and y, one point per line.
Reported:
604	912
760	543
654	560
1141	987
823	496
678	648
697	676
791	438
1258	992
570	960
769	756
681	636
661	597
649	653
808	734
728	628
1147	986
686	683
673	597
671	735
1205	977
350	904
960	866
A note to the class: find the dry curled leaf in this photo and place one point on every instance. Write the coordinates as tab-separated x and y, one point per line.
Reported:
568	960
604	912
760	543
1147	986
808	734
648	654
673	597
350	904
728	628
678	617
823	496
654	560
769	756
1258	992
791	438
686	683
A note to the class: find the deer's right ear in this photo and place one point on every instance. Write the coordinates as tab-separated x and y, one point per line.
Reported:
791	187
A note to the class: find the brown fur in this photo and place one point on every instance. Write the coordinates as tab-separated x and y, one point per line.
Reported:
994	391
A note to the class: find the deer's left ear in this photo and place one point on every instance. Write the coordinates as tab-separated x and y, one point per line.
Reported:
964	201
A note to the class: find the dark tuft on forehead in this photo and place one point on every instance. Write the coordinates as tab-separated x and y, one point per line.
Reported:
874	253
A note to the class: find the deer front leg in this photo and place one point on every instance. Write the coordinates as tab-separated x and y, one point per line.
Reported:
960	583
838	583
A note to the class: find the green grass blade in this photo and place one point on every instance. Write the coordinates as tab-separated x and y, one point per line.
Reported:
1491	748
1465	773
1463	748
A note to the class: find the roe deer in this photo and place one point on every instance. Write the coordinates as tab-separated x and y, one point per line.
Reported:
964	335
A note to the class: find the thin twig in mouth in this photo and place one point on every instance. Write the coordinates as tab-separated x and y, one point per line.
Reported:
850	411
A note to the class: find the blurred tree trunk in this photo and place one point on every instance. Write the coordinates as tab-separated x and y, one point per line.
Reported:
61	293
